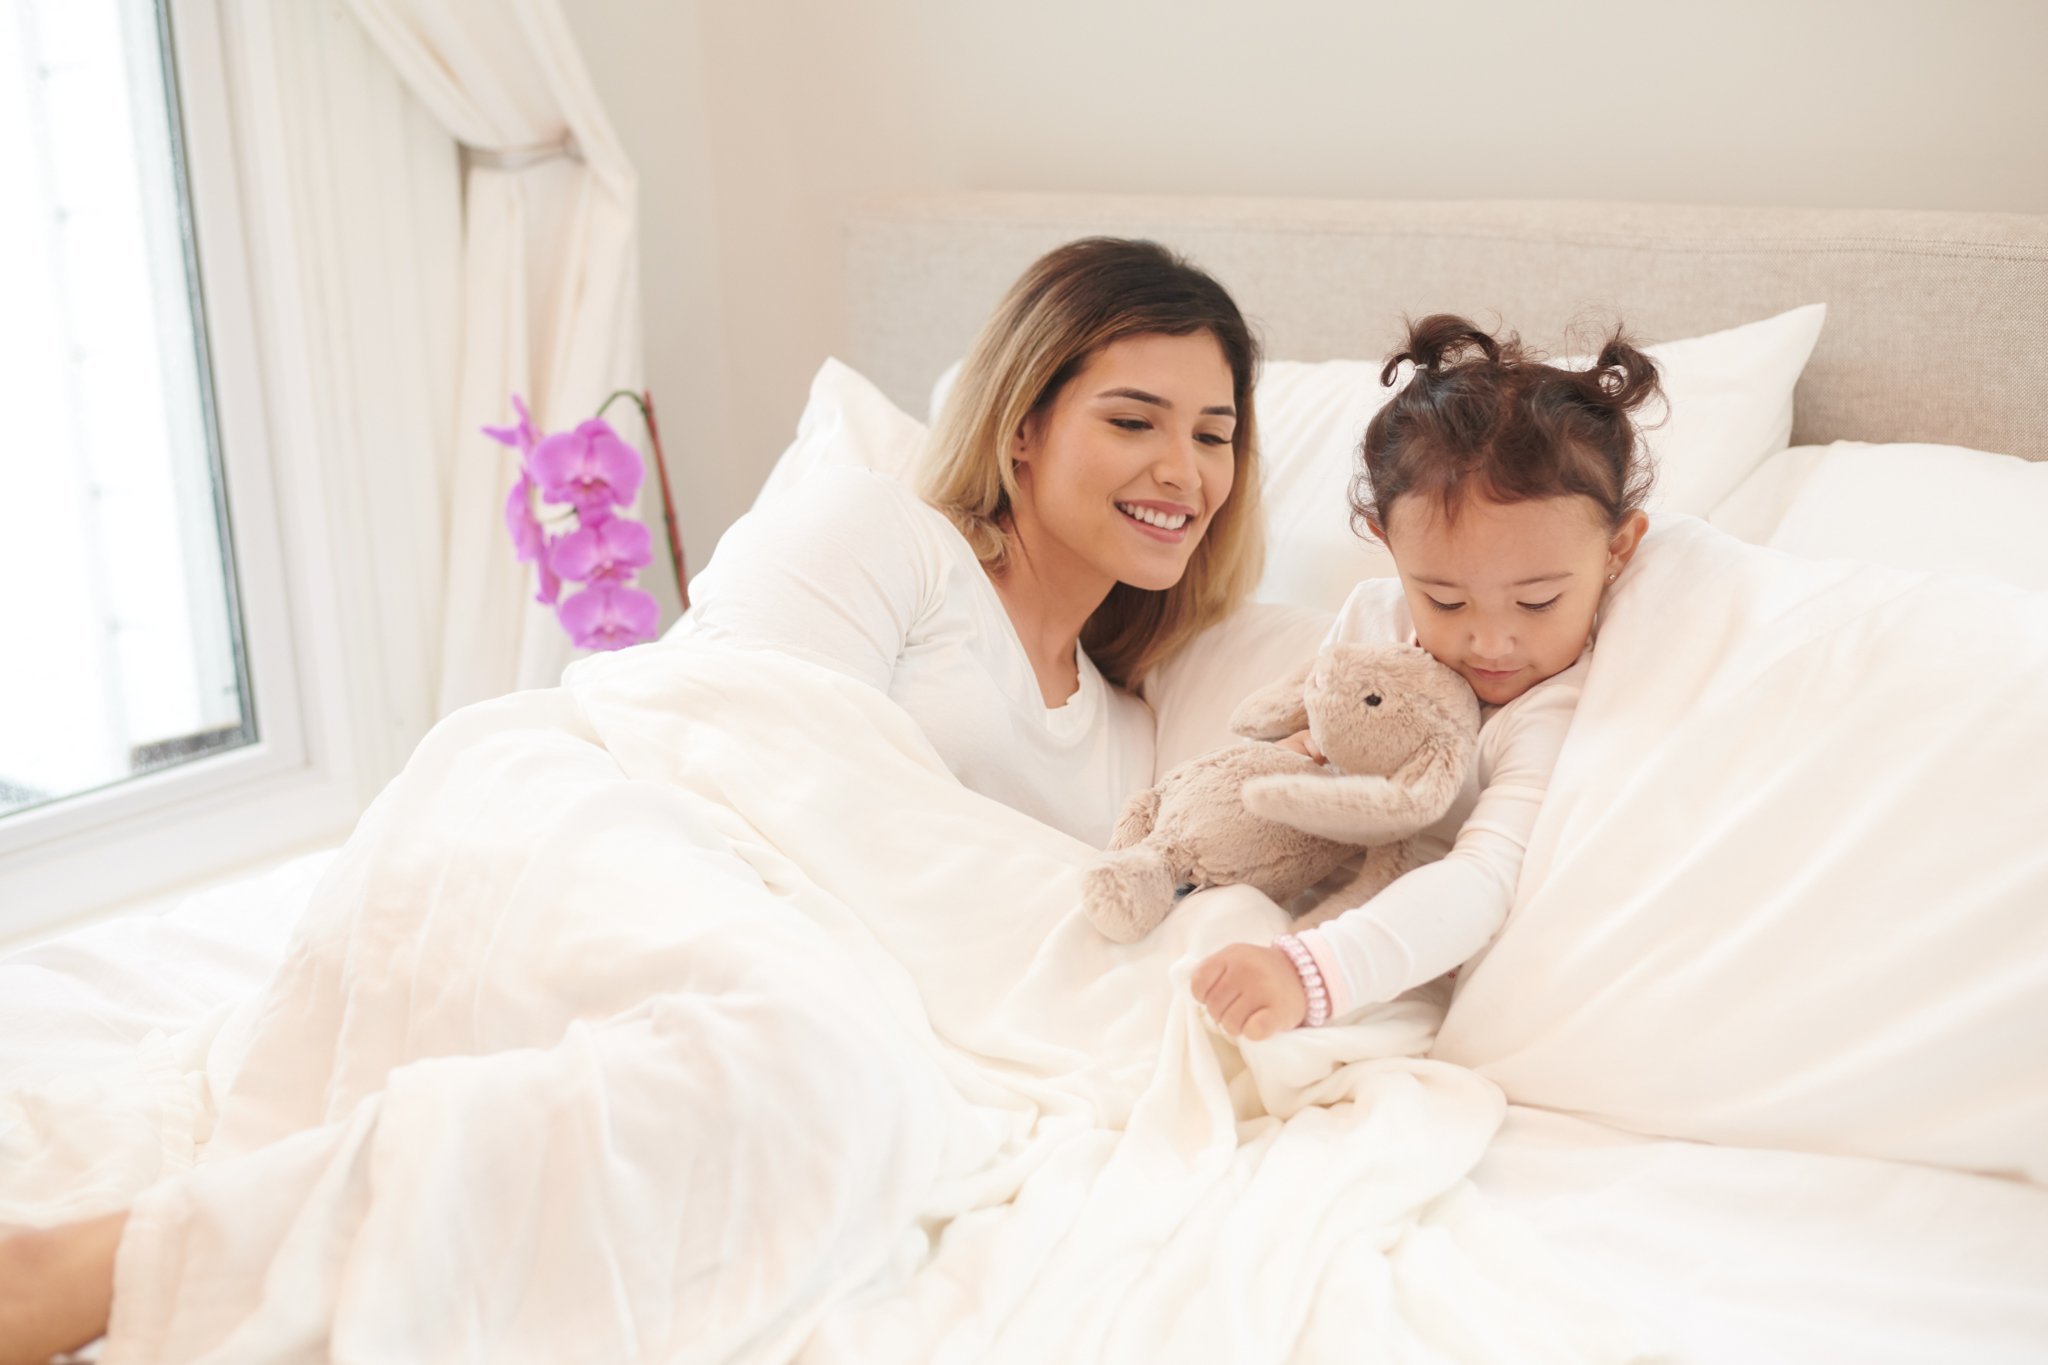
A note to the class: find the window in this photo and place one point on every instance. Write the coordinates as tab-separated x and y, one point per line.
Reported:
188	684
120	618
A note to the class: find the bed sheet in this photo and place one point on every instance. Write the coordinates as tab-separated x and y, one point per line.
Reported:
1733	1254
113	1023
1752	1256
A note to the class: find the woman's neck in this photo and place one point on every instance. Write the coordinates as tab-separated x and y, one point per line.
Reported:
1048	604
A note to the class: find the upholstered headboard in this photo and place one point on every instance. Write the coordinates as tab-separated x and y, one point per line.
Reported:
1937	322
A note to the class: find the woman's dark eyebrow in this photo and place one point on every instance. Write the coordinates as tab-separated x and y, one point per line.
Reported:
1140	396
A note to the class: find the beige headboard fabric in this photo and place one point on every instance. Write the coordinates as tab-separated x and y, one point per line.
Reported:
1937	322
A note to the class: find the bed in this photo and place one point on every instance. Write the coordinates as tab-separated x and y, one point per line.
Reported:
1929	355
1691	1105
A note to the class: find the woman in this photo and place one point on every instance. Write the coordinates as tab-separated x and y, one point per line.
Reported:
1089	504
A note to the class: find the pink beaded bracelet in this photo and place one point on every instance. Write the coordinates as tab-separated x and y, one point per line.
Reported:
1311	978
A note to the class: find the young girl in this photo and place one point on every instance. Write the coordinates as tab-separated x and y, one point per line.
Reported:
1509	493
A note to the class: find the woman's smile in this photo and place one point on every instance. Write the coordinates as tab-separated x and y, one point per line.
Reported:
1163	521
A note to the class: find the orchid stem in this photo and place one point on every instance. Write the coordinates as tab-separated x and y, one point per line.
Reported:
645	402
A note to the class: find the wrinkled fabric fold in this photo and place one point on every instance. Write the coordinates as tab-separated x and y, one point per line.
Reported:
693	1011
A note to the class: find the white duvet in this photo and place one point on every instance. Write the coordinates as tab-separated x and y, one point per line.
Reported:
1789	887
692	1011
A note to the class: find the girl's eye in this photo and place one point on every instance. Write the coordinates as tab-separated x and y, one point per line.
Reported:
1445	606
1541	606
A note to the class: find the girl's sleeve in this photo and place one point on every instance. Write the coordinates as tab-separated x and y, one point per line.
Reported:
1441	914
835	572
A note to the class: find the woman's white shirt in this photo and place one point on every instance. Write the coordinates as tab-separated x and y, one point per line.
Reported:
851	570
1445	913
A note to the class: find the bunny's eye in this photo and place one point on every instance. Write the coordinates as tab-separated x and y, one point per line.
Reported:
1372	699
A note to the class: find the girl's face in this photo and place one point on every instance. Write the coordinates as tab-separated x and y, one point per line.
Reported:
1122	473
1506	592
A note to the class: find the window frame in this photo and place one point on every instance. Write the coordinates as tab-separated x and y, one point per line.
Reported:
301	781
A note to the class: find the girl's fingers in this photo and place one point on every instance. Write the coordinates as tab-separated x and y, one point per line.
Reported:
1240	1009
1260	1025
1206	976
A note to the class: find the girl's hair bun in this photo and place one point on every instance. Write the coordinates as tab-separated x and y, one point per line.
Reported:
1438	340
1620	381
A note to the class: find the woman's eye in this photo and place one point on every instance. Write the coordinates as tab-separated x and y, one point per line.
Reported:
1541	606
1210	438
1131	423
1445	606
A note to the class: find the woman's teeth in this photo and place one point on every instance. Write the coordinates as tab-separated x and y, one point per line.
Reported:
1165	521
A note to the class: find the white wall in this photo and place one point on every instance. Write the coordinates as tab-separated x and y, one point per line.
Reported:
756	123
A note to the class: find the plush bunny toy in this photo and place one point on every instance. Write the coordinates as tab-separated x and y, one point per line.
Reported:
1399	730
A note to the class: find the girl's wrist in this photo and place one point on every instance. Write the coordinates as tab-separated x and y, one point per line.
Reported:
1312	984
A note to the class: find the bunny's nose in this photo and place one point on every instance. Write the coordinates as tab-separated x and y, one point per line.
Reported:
1372	699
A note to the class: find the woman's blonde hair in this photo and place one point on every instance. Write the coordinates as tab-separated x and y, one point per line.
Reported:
1067	307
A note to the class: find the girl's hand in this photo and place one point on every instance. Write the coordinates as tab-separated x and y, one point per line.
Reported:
1301	744
1251	990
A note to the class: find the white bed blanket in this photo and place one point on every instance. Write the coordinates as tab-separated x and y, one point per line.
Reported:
692	1011
1789	885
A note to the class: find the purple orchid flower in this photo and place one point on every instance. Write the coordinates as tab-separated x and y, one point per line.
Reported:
527	537
550	581
589	467
521	437
608	552
595	472
530	543
609	617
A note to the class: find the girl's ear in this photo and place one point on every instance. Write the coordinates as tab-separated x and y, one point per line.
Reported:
1627	540
1378	532
1276	710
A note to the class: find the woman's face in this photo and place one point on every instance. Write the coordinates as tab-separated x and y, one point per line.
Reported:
1505	594
1122	473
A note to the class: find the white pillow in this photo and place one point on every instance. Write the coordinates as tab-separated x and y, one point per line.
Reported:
1932	507
1194	692
1730	396
846	421
1760	501
1312	418
1730	408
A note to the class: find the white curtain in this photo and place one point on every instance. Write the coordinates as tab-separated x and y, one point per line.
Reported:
550	294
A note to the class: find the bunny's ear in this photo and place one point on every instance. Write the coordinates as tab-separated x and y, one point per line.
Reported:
1276	710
